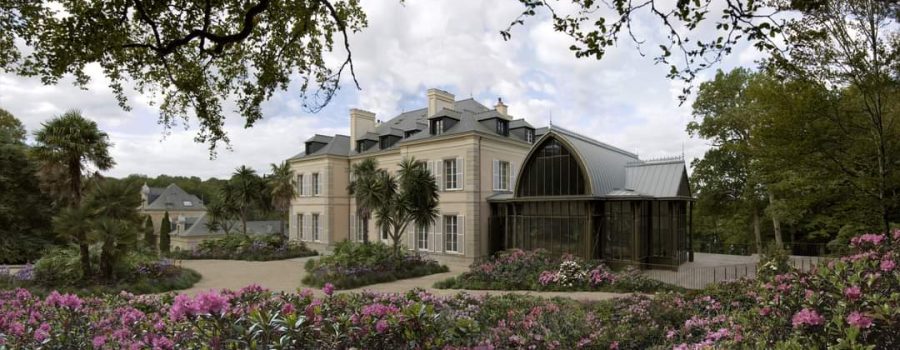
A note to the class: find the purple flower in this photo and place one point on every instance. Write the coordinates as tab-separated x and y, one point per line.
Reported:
868	238
328	289
888	265
99	341
807	317
70	301
859	320
852	293
381	326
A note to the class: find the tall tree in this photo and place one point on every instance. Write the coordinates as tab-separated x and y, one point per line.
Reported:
74	143
245	192
410	198
165	242
193	54
73	224
282	189
149	235
363	189
11	129
114	204
221	216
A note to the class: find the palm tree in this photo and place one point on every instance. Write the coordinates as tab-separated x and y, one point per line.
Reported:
73	224
245	191
117	237
114	203
363	189
411	197
72	143
282	189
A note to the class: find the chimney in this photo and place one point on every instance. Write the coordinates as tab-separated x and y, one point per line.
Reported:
501	108
439	99
361	122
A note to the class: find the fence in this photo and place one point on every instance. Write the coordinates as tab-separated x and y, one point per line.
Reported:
697	277
798	249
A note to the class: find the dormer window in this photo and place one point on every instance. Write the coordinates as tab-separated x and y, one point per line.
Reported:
503	127
364	145
437	126
529	136
409	133
313	147
188	203
388	140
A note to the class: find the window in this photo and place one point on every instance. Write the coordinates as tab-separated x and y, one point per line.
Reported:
410	133
502	174
450	178
384	234
188	203
552	170
360	229
422	237
451	233
315	184
300	185
437	126
503	127
529	135
315	227
299	226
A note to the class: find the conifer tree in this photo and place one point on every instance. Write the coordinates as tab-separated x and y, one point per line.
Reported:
164	229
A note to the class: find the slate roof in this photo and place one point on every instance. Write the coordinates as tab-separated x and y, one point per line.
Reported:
337	145
467	111
172	198
197	227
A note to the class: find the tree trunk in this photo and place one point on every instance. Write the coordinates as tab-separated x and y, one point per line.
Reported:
244	223
776	223
85	258
106	262
756	232
365	230
75	175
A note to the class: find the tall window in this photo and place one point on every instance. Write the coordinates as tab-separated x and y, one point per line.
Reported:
360	229
422	237
300	185
529	136
315	227
315	184
450	179
437	126
384	234
552	170
299	226
503	127
451	233
501	175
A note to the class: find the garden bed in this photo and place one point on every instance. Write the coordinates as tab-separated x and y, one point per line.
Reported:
250	248
538	270
354	265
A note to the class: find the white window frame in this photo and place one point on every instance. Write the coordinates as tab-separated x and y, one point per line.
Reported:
502	181
422	235
316	184
300	222
529	136
315	227
300	185
456	175
383	235
451	233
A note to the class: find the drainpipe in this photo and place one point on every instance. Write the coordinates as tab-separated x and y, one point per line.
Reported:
478	201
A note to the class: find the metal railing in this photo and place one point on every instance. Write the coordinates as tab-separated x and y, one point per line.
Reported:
698	277
793	248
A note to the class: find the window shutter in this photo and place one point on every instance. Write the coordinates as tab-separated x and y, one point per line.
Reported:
438	167
319	184
460	234
299	184
352	235
496	175
512	176
410	241
438	238
292	223
324	182
460	172
306	182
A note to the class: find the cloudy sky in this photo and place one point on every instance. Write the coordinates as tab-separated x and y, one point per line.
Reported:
624	99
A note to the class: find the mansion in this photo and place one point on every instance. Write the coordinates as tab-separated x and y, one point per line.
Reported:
502	184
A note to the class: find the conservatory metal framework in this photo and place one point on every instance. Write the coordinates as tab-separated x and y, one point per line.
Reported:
579	196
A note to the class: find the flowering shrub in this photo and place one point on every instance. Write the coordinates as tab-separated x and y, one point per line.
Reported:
241	247
538	270
356	264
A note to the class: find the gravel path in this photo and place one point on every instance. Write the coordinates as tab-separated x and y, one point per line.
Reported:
285	275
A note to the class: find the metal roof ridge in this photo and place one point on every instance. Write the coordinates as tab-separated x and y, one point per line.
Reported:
593	141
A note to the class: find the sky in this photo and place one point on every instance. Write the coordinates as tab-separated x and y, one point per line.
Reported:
624	99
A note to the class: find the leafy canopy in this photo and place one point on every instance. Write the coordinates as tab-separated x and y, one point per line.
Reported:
190	55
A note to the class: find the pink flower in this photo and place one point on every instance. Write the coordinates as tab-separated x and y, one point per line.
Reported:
17	329
765	311
69	301
614	345
869	238
852	293
859	320
42	333
381	326
888	265
328	289
807	317
99	341
288	309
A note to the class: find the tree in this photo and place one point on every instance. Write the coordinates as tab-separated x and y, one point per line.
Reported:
221	216
24	210
73	143
149	235
363	189
245	192
73	224
113	205
411	197
194	54
282	189
164	240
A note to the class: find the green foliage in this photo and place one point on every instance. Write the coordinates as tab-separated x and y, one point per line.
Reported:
59	267
165	242
149	235
245	191
775	260
363	189
24	210
244	247
282	189
354	264
192	55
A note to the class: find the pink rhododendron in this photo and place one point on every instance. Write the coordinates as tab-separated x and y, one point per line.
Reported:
887	265
808	317
328	289
852	293
70	301
382	326
859	320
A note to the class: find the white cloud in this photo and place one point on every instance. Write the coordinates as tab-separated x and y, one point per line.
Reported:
623	99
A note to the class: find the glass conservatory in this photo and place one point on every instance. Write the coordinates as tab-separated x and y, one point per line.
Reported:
579	196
